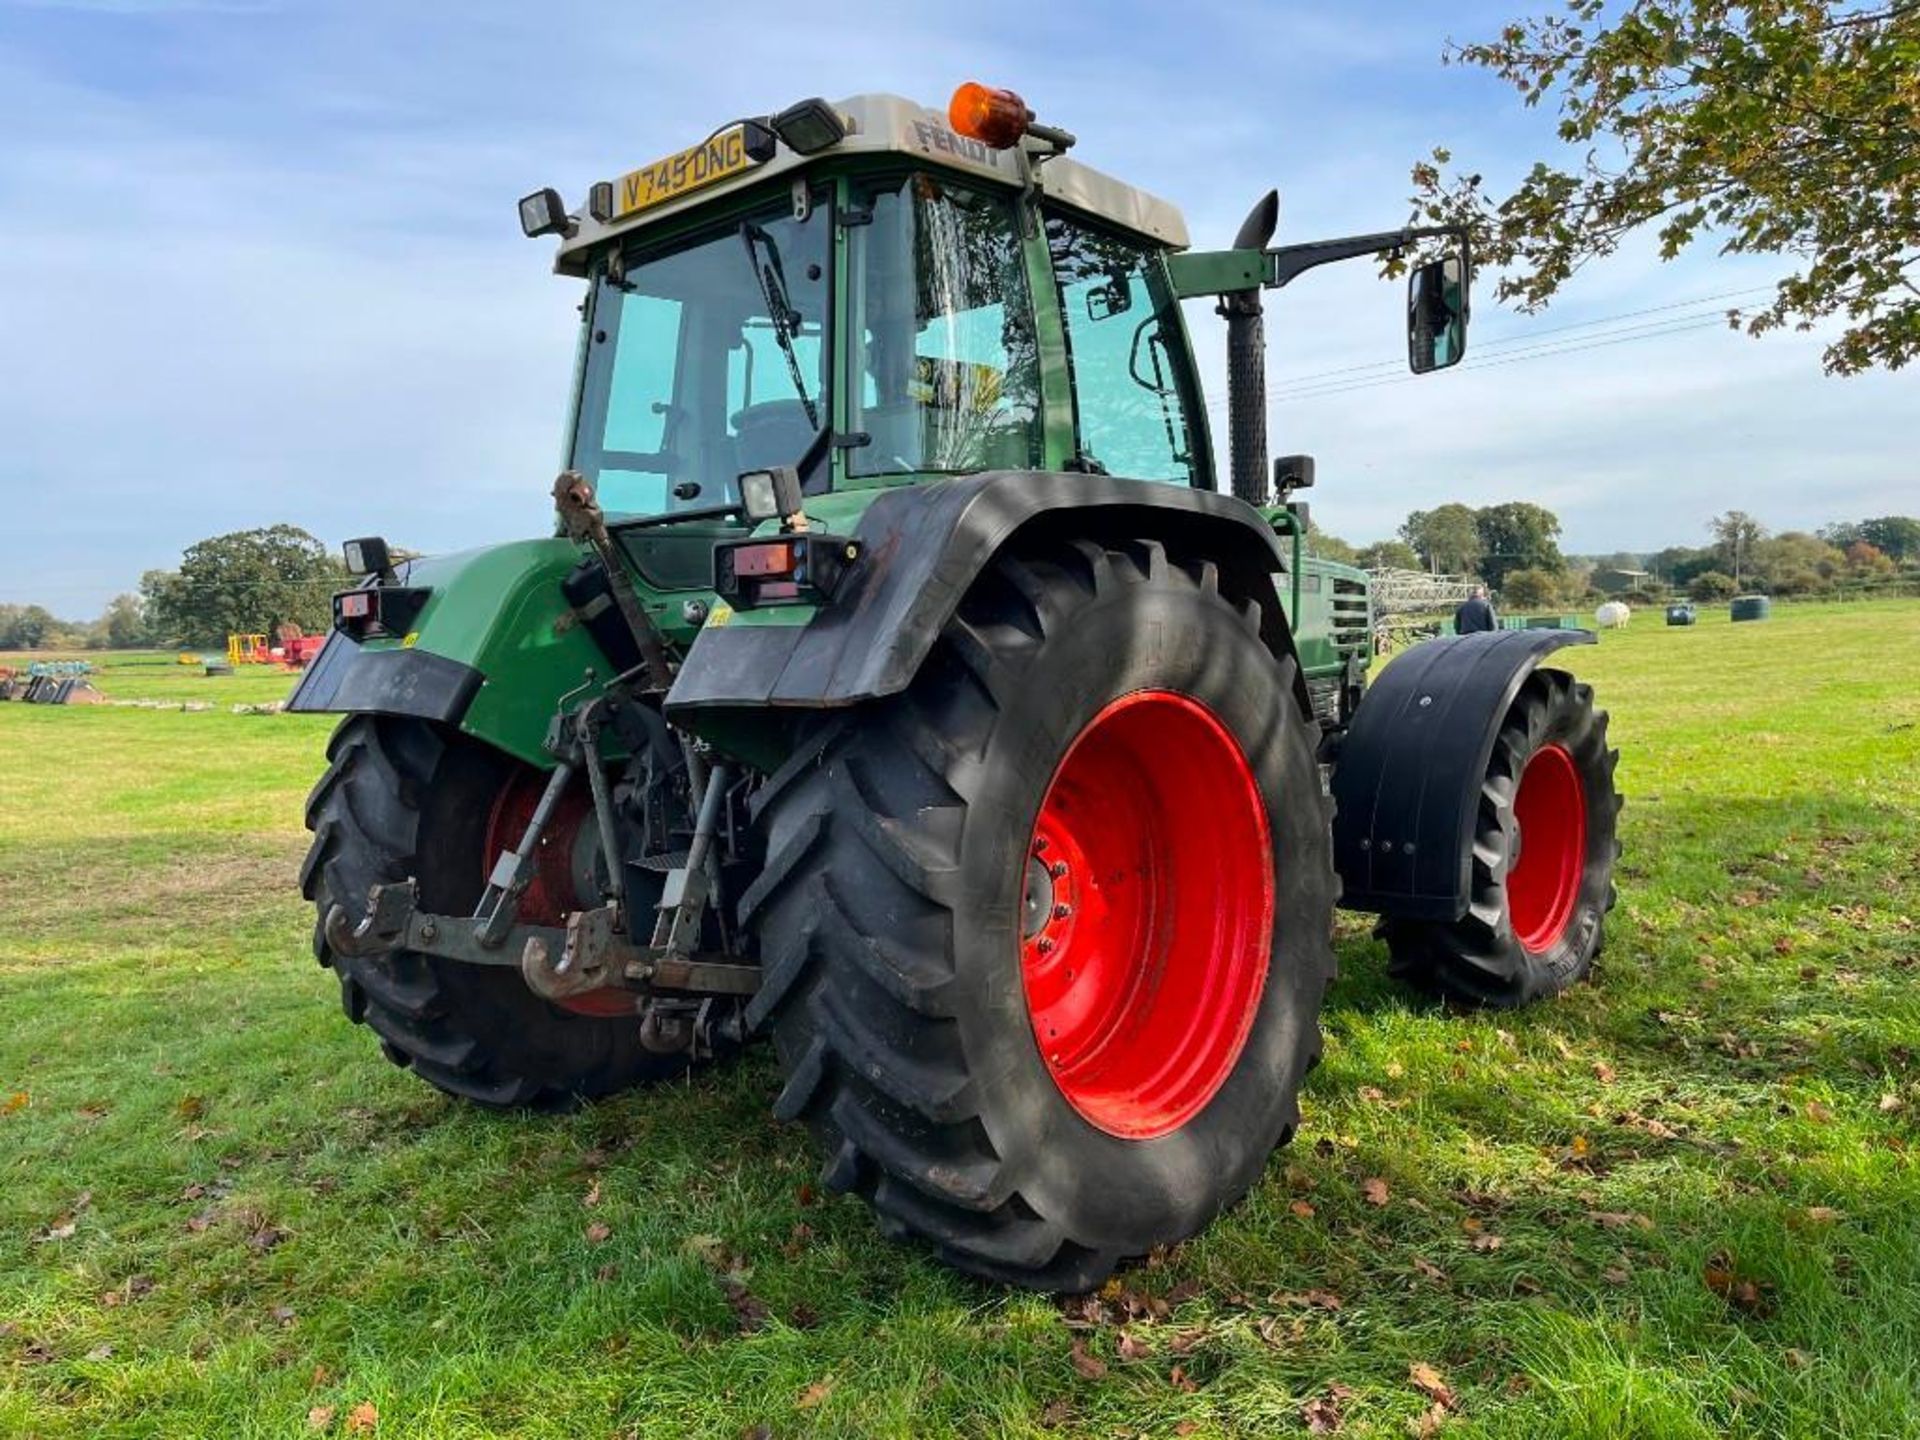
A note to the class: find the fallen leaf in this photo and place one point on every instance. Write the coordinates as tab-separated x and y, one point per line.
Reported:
362	1419
599	1232
265	1238
1737	1290
1091	1367
1302	1209
320	1417
814	1394
1431	1383
606	1272
1182	1381
99	1353
1647	1125
1429	1423
1818	1113
1187	1427
62	1231
1614	1275
1374	1190
1372	1094
1890	1103
17	1101
1603	1072
190	1107
284	1314
749	1311
1055	1414
1432	1271
1319	1299
1472	1225
592	1197
1823	1214
1129	1348
1322	1414
1797	1359
1486	1243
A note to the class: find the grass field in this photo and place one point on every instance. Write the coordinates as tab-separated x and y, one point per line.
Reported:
1679	1202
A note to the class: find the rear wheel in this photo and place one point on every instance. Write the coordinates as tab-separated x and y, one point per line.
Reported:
401	797
1045	938
1543	855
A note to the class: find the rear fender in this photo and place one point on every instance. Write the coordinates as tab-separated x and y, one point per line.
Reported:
922	547
1406	787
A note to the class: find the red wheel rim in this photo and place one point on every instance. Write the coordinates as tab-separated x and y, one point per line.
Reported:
1550	812
1147	914
554	889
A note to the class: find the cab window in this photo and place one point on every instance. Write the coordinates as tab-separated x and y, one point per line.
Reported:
946	367
1124	350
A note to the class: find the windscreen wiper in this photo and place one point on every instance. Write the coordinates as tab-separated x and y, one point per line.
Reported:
772	280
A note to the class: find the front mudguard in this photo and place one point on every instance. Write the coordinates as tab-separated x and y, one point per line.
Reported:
491	651
1406	787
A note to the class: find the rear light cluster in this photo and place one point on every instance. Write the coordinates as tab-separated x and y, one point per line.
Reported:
790	570
376	611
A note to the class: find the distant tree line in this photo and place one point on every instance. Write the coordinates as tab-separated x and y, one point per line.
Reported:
247	582
1514	548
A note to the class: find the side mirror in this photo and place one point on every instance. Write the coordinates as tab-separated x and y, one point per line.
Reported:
1292	472
1437	308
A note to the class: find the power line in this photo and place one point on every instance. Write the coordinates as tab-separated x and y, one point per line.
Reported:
1311	384
1546	352
1529	336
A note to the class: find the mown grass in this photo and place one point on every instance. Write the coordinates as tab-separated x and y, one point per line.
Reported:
222	1213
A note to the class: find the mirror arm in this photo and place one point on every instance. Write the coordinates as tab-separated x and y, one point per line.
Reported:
1287	263
1197	273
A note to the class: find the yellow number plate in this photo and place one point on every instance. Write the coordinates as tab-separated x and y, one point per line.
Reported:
722	156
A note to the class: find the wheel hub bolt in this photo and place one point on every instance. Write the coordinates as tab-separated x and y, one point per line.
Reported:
1044	944
1061	912
1059	869
1039	843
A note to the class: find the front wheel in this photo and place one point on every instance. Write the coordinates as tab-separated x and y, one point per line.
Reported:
1045	938
402	798
1544	848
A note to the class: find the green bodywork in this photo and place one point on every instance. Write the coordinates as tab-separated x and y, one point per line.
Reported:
500	610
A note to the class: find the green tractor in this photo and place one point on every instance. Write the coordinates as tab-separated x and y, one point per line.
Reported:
899	685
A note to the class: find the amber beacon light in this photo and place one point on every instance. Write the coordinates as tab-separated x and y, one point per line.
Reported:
993	117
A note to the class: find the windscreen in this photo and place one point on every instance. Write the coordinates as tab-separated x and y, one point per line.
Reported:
704	359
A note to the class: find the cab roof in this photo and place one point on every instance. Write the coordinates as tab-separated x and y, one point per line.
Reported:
889	124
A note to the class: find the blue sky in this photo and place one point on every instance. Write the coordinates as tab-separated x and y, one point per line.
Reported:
259	262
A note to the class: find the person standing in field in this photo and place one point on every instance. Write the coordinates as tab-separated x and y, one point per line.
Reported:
1475	614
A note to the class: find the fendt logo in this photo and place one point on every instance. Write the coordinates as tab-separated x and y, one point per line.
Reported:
939	138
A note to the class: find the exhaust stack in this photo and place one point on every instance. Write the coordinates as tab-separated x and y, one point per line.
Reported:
1247	365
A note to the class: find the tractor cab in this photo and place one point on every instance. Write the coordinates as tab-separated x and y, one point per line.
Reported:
900	301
